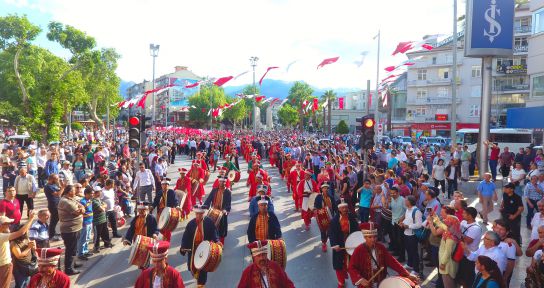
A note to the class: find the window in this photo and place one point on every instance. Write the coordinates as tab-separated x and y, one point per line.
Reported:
421	111
520	41
443	92
520	61
476	91
434	60
538	21
476	71
504	62
421	94
538	85
444	73
422	74
448	58
474	111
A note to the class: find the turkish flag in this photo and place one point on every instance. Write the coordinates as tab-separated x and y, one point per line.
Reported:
192	85
341	103
327	62
402	47
390	68
120	104
316	105
259	98
221	81
427	46
141	103
268	69
204	110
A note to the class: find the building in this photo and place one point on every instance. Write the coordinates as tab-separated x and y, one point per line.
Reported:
349	107
135	91
536	55
395	110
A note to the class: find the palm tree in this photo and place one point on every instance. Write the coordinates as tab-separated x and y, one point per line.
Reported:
329	96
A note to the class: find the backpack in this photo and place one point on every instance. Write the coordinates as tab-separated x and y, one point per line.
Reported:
421	233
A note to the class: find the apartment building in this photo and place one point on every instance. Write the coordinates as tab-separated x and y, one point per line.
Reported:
536	55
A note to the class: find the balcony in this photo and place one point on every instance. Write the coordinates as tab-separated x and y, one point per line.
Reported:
432	101
514	88
522	29
511	69
431	82
521	49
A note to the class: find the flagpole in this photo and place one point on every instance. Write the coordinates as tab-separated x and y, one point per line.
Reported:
376	104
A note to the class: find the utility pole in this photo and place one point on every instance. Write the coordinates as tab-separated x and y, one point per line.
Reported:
154	50
453	120
253	61
376	105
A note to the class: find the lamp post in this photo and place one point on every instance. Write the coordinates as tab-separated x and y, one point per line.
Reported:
154	51
453	132
253	61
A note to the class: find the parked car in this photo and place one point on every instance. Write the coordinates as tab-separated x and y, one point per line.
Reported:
385	140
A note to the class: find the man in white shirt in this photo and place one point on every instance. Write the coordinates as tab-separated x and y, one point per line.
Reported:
25	187
65	174
489	248
471	235
538	220
144	183
108	196
509	247
412	221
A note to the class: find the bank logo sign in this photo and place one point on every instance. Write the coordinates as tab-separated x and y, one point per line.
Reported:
489	28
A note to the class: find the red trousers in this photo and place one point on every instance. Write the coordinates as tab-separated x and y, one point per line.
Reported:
341	276
306	216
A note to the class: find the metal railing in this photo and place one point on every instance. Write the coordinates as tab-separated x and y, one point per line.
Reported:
522	29
521	49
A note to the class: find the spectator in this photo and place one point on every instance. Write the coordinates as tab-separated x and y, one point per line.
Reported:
471	233
511	209
532	193
439	176
398	209
486	195
99	221
144	183
364	201
490	248
53	190
71	220
26	188
82	246
108	196
452	173
518	178
39	231
412	221
505	161
465	163
447	266
25	262
536	244
10	207
52	165
489	274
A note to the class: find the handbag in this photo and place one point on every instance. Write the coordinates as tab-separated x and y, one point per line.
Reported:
421	233
28	269
458	252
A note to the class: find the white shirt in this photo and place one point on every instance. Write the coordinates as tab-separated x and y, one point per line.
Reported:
518	174
108	196
474	231
157	282
495	253
409	221
508	250
143	179
452	173
67	176
536	222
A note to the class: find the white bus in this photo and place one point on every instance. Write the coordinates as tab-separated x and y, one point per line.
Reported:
505	137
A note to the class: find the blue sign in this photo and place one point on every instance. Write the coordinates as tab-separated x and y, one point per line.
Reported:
489	28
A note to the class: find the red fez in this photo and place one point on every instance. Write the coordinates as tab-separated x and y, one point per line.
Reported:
48	256
369	228
159	250
258	247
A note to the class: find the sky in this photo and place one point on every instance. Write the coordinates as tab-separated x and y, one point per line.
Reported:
216	38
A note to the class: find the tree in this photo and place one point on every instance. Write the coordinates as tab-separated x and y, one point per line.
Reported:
238	112
342	127
288	115
16	33
329	96
209	96
299	93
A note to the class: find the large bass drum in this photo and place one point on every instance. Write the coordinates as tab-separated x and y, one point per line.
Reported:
277	252
353	241
208	256
169	219
397	282
139	253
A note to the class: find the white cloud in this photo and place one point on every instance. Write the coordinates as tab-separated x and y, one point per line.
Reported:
216	38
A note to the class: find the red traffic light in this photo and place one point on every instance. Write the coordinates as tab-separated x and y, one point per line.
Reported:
369	123
134	121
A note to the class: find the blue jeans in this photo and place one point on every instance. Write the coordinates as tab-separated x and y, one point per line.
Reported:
21	279
83	241
364	214
493	167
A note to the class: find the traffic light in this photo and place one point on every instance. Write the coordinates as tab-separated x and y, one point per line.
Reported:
134	132
367	131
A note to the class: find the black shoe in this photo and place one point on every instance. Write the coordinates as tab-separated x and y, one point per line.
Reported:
83	257
401	260
88	254
72	272
96	250
77	265
430	265
109	245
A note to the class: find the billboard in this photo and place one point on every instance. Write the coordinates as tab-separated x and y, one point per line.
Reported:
489	28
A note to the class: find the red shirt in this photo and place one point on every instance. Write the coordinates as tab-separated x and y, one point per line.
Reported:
494	153
11	210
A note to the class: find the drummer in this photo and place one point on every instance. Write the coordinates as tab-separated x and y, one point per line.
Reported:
161	274
287	165
223	172
304	189
256	177
294	178
220	198
184	184
163	200
199	229
263	272
325	200
143	224
254	159
197	174
229	165
265	225
253	204
342	225
371	260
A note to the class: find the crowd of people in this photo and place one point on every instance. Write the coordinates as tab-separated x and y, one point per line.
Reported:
408	202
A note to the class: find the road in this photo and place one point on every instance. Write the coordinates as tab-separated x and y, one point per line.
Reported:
307	266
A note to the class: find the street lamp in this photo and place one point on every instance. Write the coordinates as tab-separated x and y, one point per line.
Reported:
154	51
253	61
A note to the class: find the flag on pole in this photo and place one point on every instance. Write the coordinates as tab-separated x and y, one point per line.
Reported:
341	103
327	62
403	47
316	105
268	69
259	98
289	65
243	73
192	85
221	81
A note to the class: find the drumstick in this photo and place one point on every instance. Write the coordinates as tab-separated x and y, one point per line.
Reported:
374	276
185	249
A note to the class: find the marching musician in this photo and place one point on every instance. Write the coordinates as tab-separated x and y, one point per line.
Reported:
294	178
200	158
370	260
229	164
165	197
184	184
220	198
342	225
263	272
257	177
253	204
161	275
325	201
222	173
304	189
197	174
287	165
143	224
199	229
265	225
48	275
254	159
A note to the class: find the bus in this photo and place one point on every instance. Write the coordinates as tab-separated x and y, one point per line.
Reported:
505	137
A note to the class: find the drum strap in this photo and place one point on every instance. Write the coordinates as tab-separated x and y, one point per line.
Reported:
263	280
372	257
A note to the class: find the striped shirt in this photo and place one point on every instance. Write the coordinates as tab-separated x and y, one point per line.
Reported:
38	231
531	192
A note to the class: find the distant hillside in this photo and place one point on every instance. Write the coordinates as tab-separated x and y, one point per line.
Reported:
280	89
123	87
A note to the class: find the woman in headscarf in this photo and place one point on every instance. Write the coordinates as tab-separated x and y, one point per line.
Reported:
447	266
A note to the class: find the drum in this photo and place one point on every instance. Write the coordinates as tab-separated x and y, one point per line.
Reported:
277	252
182	196
353	241
208	256
215	215
139	253
305	202
323	217
232	175
237	176
169	219
311	201
397	282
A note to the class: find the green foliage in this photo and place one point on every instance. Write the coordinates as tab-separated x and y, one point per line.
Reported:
342	127
208	96
299	92
288	115
330	95
16	31
238	112
77	126
70	38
